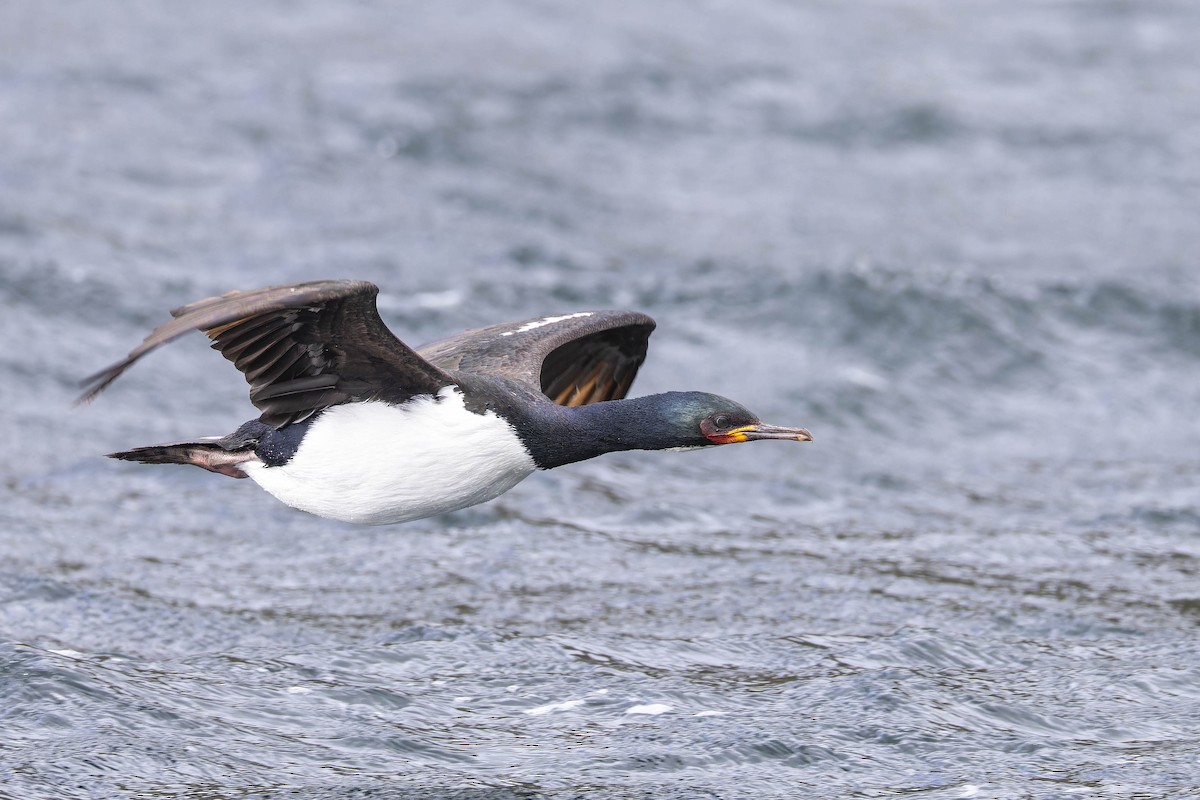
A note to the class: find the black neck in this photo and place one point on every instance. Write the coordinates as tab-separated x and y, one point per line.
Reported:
557	435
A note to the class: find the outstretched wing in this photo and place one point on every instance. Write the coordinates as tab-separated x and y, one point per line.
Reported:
302	348
574	359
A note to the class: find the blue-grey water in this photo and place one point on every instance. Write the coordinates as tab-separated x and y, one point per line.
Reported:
958	241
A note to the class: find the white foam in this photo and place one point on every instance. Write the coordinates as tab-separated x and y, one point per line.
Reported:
537	711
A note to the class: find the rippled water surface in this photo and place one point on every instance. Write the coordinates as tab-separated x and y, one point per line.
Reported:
957	241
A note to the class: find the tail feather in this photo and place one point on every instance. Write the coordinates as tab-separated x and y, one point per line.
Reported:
209	455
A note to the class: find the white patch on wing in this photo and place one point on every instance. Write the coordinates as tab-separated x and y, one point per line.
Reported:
538	323
378	463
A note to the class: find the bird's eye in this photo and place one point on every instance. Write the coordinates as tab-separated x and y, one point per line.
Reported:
721	421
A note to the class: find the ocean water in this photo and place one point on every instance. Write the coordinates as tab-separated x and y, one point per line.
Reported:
956	241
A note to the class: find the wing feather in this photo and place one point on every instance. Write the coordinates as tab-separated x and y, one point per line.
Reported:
301	347
574	359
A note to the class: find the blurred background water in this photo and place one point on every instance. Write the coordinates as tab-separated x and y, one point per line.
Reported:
956	240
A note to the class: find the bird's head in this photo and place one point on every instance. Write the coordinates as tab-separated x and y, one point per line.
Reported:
668	421
700	419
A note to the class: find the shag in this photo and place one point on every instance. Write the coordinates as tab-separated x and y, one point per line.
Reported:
359	427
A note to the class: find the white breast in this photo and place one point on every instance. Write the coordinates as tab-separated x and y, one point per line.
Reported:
378	463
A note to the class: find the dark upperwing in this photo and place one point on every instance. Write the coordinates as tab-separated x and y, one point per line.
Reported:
574	359
302	348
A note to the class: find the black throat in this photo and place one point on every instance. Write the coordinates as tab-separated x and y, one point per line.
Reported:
556	435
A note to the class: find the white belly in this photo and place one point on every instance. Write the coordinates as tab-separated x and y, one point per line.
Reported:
377	463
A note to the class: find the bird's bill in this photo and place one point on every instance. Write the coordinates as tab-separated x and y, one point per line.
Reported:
761	430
